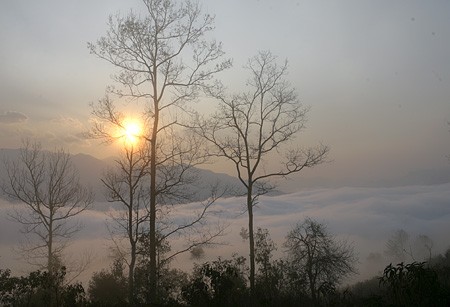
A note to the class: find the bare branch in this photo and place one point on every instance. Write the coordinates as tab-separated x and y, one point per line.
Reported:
250	128
48	186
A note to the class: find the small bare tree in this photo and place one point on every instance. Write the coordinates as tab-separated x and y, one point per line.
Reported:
318	256
151	53
398	247
126	184
254	127
48	185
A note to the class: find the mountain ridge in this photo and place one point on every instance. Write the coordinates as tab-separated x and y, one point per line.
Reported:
91	169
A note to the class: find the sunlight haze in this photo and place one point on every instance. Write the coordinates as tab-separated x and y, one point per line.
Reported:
375	75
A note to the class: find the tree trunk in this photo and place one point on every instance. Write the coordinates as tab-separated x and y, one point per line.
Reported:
131	275
251	240
130	231
153	144
312	287
50	249
50	261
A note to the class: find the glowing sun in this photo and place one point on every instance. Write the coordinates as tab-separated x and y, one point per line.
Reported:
131	131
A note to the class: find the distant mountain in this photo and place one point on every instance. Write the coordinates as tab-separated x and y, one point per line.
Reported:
91	169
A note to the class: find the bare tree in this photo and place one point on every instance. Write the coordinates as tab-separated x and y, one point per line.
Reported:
424	247
178	155
126	184
150	53
48	185
320	258
195	229
398	247
254	127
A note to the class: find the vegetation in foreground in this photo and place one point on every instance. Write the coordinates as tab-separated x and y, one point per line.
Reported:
309	274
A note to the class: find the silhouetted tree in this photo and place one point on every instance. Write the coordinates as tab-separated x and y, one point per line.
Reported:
150	53
217	283
254	127
197	252
412	284
321	259
48	186
40	289
270	280
109	287
263	249
127	185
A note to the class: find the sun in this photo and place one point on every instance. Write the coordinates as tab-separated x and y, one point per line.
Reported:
131	131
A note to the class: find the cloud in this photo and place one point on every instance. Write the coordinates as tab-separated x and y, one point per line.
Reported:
365	216
12	117
68	122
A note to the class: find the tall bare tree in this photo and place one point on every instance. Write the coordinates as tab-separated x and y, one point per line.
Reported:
164	59
251	128
128	184
48	185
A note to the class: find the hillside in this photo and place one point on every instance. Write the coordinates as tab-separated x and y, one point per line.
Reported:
91	170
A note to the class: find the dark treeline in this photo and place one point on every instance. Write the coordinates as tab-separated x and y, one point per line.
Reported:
310	273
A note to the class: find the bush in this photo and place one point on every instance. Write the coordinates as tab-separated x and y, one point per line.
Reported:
218	283
40	288
412	284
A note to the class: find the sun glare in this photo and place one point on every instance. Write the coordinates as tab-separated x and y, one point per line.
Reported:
131	131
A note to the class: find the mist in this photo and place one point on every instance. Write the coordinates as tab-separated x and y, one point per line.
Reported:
364	216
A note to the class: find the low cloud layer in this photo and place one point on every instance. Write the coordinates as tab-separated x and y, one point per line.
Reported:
365	216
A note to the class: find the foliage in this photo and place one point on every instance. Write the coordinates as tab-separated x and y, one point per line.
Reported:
412	284
218	283
280	282
109	288
40	288
269	279
264	246
441	263
169	286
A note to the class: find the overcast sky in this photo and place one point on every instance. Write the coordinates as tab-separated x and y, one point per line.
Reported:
375	73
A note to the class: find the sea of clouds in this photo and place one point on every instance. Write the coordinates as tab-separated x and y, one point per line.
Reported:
365	216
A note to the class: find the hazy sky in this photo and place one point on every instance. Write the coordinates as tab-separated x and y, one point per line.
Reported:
375	73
